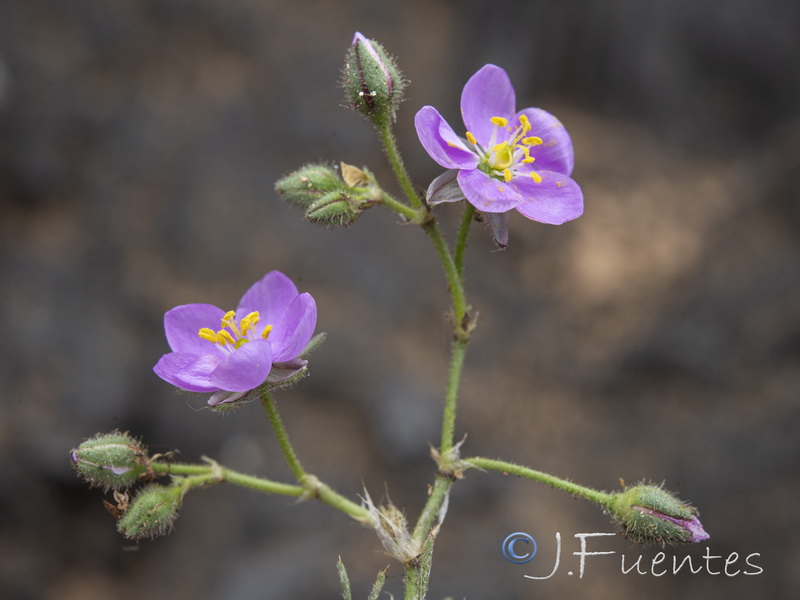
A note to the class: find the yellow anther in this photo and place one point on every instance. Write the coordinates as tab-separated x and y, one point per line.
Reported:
208	334
499	121
526	124
532	141
528	160
224	337
536	177
229	316
507	175
265	333
471	139
249	321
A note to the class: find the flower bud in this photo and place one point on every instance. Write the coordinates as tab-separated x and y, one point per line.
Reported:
308	184
373	83
110	460
334	208
152	512
650	514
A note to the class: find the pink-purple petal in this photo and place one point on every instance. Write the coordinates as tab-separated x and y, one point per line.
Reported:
182	324
189	372
270	296
291	335
555	153
245	368
488	194
487	94
556	200
441	142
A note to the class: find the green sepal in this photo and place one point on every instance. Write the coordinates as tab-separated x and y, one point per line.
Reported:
334	208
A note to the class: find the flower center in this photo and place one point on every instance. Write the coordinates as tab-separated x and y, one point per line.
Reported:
504	159
233	333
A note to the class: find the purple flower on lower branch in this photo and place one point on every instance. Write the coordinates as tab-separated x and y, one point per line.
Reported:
506	160
231	353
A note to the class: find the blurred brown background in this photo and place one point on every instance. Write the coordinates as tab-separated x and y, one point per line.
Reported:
656	337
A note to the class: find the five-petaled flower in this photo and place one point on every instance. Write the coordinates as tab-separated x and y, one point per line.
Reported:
507	159
231	353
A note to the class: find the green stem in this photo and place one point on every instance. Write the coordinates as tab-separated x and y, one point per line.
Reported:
198	475
451	397
339	502
507	468
452	274
461	239
283	437
221	473
428	517
396	161
402	209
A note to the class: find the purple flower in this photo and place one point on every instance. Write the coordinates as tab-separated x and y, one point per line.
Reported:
506	159
231	353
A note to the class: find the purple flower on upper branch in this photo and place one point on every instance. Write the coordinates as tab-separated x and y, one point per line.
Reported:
506	159
231	353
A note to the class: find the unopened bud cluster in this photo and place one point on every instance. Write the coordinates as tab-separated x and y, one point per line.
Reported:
113	460
650	514
372	81
327	196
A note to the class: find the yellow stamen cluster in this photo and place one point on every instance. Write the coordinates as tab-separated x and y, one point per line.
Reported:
233	333
505	156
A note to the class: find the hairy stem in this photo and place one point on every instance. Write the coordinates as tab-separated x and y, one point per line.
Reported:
396	161
282	435
461	238
507	468
216	473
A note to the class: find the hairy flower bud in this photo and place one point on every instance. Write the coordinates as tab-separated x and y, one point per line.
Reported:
306	185
110	460
152	512
650	514
373	83
334	208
